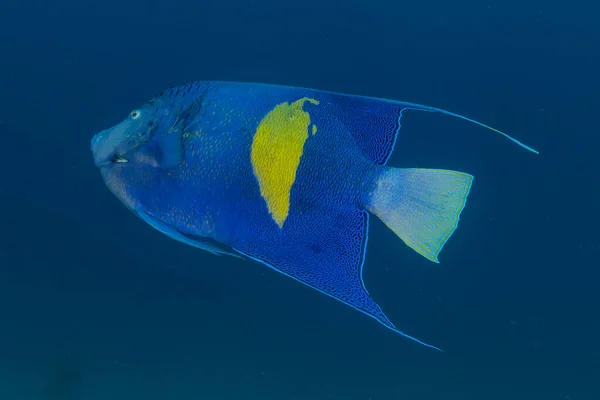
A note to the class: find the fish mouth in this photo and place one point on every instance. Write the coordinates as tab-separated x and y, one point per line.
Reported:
117	159
107	146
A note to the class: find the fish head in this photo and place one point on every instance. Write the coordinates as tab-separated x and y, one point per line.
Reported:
118	144
126	153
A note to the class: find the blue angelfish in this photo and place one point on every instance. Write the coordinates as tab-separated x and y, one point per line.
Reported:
282	175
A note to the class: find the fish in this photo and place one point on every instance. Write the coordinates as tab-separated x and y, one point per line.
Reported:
285	176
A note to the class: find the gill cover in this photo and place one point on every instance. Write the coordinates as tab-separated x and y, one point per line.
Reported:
165	149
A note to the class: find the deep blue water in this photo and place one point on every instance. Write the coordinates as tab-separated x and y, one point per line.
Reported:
94	304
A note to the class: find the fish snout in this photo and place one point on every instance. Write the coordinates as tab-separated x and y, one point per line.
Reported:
100	149
106	146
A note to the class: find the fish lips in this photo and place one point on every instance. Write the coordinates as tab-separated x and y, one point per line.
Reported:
111	145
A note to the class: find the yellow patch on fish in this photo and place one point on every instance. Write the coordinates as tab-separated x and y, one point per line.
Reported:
276	150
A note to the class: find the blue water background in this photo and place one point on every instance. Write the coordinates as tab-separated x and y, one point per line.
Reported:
96	305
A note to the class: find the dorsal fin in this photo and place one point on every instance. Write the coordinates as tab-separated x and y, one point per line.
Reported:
419	107
375	122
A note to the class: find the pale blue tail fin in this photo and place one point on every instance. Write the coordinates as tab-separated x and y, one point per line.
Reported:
422	206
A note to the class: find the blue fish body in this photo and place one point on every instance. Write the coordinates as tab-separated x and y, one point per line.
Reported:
281	175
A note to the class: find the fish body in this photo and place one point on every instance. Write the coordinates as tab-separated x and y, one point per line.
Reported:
285	176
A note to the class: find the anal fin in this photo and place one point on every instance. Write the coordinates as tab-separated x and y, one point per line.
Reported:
326	252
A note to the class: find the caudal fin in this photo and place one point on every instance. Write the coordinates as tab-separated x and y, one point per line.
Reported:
422	206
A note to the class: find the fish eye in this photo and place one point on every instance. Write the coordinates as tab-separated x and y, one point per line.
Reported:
135	114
